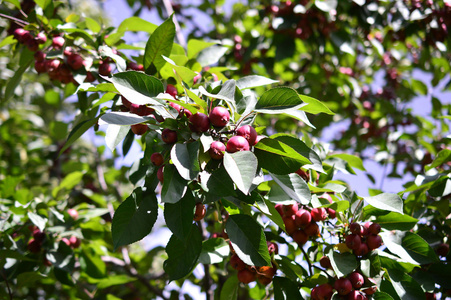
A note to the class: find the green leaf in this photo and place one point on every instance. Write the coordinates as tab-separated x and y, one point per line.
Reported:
120	62
130	24
160	43
68	183
315	106
294	186
37	220
277	100
386	201
211	55
15	80
382	296
134	218
137	87
195	46
123	118
114	135
342	263
352	160
442	157
101	87
242	167
174	186
277	157
184	74
183	255
218	182
8	41
92	264
285	289
419	87
92	25
77	132
16	3
405	286
268	208
179	215
43	3
28	279
114	280
396	221
326	5
229	290
185	158
248	240
252	81
301	148
214	250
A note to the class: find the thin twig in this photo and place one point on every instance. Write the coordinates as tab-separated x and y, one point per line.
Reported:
18	21
10	293
310	267
208	281
178	32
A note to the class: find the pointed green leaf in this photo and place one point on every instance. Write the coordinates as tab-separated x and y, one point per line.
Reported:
160	43
342	263
314	106
248	240
229	290
353	160
214	250
252	81
134	218
211	55
442	157
114	135
396	221
294	186
285	289
386	201
174	186
195	46
185	158
130	24
15	80
242	167
183	255
123	118
179	216
278	100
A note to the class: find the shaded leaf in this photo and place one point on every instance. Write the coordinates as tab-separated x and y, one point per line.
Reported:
185	158
174	186
179	215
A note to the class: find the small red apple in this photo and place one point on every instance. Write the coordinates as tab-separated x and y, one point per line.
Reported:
237	143
219	116
169	136
249	133
357	280
216	150
58	42
302	218
353	241
199	122
318	214
200	212
343	286
139	129
171	90
157	159
246	276
373	241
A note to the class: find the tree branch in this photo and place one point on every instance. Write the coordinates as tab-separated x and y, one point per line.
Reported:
18	21
208	281
178	31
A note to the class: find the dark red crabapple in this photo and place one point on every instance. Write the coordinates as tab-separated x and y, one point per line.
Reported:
38	235
374	228
237	143
39	56
343	286
312	229
219	116
371	290
75	242
325	262
353	241
356	295
34	246
246	276
139	129
200	211
157	159
290	209
40	67
249	133
355	228
171	90
357	280
19	34
373	241
290	226
302	218
304	175
324	291
216	150
442	250
105	69
318	214
332	213
41	38
160	174
272	247
199	122
58	42
237	263
362	251
300	237
264	280
89	77
279	208
140	110
169	136
75	61
73	213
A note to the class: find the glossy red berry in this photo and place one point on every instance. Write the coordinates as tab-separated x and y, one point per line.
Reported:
219	116
216	150
200	212
171	90
169	136
343	286
353	241
139	129
237	263
237	143
302	218
312	229
160	174
325	262
319	214
199	122
373	241
58	42
374	228
357	280
300	237
249	133
246	276
73	213
75	61
157	159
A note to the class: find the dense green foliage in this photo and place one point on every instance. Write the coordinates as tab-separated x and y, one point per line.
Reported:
232	159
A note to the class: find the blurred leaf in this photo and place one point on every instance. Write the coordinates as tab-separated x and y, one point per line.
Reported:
130	24
326	5
252	81
314	106
160	43
441	158
211	55
285	289
353	160
43	3
277	100
92	25
16	3
77	132
134	218
229	290
16	79
195	46
183	255
179	216
114	135
419	87
37	220
396	221
248	240
68	183
242	167
214	250
114	280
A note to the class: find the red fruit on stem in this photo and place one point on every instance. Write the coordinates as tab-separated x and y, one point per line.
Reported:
40	67
312	230
237	143
332	213
32	45
357	280
38	235
356	295
249	133
290	226
442	250
290	209
90	77
362	251
219	116
34	246
246	276
279	208
105	69
373	241
157	159
125	102
319	214
263	279
355	228
39	56
302	218
216	150
325	262
75	61
160	174
314	293
304	175
353	241
374	228
300	237
73	213
141	110
52	65
200	212
343	286
139	129
169	136
324	291
19	34
58	42
41	38
371	290
199	122
267	271
237	263
75	242
171	90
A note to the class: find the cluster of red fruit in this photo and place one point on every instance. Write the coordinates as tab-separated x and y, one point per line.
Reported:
35	243
300	223
30	39
352	287
247	274
362	239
